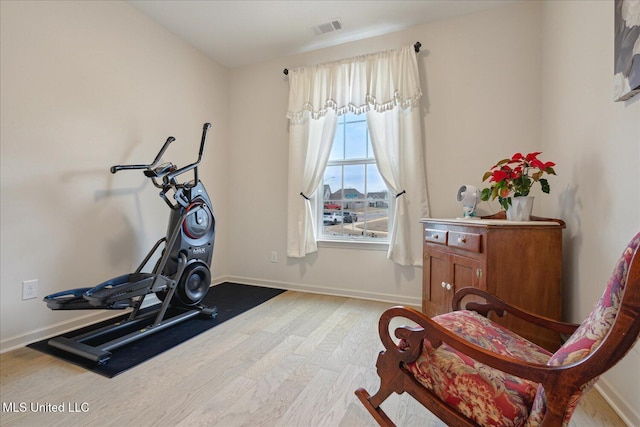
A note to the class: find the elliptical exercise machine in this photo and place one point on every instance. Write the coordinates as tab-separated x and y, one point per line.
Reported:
180	278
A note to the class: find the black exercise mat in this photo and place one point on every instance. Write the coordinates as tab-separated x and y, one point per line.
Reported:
231	299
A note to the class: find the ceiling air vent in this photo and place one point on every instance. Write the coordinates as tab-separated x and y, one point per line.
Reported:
333	25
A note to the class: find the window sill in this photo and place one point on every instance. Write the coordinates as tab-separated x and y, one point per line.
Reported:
353	244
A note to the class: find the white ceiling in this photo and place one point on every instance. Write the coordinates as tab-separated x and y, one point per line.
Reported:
243	32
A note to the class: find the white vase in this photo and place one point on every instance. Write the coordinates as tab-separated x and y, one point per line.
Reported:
520	209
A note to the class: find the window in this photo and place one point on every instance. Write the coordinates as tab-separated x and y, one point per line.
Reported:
354	198
395	117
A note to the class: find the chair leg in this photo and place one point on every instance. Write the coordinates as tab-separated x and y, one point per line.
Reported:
391	381
376	411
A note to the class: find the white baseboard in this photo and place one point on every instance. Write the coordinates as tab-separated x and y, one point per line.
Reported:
57	329
620	405
66	326
326	290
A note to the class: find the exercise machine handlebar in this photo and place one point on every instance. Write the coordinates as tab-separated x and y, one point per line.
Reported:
172	176
155	162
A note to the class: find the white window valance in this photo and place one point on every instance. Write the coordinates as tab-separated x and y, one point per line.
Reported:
378	81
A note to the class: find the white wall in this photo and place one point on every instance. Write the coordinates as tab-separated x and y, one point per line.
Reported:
86	85
481	84
596	144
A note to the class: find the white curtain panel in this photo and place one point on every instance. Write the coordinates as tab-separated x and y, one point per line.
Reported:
386	83
397	144
309	149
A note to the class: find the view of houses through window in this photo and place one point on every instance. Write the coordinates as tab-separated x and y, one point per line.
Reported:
355	199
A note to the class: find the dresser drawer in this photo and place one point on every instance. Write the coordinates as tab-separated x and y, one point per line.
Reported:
466	241
435	236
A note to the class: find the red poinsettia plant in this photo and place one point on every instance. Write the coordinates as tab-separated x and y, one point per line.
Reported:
515	177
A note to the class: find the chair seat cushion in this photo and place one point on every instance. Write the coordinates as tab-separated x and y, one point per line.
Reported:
486	395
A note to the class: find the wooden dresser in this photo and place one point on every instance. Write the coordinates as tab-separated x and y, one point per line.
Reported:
520	262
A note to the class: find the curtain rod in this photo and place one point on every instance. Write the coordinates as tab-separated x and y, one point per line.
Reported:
416	47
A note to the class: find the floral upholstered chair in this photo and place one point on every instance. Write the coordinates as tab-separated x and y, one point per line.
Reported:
470	371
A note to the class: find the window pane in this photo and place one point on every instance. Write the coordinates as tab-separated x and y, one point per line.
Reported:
354	181
350	117
375	183
377	220
337	150
370	153
356	140
332	184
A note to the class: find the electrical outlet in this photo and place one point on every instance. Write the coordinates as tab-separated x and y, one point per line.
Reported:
274	256
29	289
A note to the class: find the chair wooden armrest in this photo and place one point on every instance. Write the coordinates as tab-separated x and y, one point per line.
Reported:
437	334
495	304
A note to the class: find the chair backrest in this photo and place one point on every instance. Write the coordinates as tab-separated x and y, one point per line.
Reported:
606	335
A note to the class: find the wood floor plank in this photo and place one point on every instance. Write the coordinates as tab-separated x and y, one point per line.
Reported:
217	408
293	361
310	407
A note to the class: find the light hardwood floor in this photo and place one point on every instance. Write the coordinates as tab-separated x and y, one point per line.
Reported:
292	361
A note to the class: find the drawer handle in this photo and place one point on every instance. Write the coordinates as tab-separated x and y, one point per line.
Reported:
448	286
462	240
434	236
443	284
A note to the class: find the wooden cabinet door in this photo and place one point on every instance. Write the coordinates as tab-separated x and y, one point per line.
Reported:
443	274
464	272
435	298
